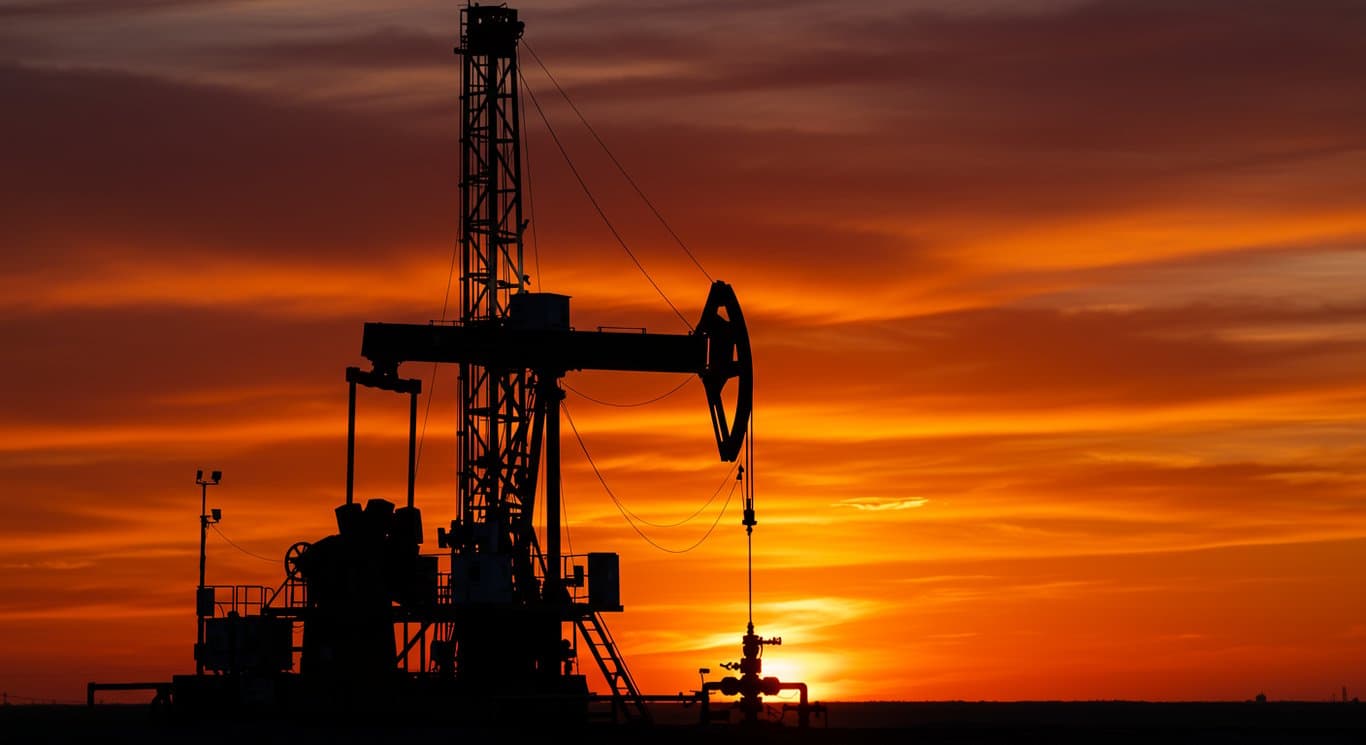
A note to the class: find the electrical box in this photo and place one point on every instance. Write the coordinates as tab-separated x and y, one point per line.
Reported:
604	582
204	602
539	310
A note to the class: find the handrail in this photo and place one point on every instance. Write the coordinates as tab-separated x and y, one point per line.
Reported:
242	599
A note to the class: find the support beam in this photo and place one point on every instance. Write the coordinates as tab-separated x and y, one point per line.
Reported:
351	438
412	445
550	396
388	345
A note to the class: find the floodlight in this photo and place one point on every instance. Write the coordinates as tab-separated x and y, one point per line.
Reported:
216	475
199	475
217	514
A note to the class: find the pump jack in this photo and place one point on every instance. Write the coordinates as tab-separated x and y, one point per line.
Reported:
490	625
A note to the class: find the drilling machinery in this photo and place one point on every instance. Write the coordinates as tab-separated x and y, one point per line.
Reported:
490	627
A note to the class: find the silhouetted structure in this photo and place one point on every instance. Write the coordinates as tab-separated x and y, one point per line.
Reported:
492	626
751	688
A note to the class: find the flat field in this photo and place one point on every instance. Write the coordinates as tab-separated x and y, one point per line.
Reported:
958	723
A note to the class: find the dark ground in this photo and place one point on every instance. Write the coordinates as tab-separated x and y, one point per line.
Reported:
958	723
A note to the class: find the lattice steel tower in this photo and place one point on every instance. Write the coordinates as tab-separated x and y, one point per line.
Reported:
497	461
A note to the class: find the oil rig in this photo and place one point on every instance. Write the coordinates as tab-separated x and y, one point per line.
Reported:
491	627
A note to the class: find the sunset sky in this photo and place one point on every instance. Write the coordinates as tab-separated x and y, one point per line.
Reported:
1058	312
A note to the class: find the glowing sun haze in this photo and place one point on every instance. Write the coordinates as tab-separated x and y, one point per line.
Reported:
1059	314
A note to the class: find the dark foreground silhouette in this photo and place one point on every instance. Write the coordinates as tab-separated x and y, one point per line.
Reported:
931	722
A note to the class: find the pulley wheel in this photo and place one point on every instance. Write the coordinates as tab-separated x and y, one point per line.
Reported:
292	557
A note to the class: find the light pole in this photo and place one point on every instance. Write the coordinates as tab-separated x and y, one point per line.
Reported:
204	596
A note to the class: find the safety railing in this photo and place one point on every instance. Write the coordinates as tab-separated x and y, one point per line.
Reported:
244	600
291	595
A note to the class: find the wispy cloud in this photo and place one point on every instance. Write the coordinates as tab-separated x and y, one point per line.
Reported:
880	505
1056	311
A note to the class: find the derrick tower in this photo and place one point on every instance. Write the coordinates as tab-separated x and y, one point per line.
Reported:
496	465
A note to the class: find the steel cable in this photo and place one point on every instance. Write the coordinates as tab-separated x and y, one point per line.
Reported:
646	402
598	207
232	543
626	513
625	174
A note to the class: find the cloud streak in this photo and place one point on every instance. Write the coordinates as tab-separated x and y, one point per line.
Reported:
1056	313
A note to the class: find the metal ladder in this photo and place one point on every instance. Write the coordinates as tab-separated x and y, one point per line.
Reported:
626	699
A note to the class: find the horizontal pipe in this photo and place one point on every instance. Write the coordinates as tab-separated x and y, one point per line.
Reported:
803	707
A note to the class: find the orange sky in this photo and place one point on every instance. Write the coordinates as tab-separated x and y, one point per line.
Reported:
1057	310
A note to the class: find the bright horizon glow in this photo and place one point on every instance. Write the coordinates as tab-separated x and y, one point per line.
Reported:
1058	318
